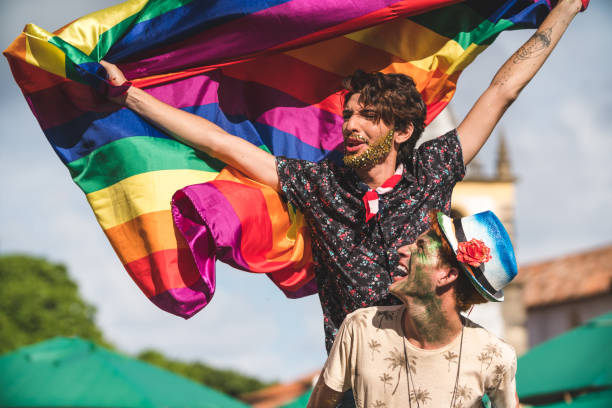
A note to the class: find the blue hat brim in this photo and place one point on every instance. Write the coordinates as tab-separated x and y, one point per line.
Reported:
448	229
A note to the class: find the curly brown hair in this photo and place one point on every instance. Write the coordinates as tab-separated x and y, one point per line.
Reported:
395	100
466	294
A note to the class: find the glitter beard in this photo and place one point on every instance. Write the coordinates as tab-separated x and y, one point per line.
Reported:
375	154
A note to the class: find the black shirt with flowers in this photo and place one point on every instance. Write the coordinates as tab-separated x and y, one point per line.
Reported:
356	261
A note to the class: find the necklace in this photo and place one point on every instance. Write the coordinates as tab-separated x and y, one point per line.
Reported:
410	379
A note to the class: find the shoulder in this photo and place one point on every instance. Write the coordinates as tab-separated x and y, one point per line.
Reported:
437	150
489	342
373	310
361	313
440	158
282	161
285	164
449	138
370	316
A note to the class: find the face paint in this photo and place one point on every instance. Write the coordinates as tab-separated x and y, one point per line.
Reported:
418	288
418	284
430	246
376	153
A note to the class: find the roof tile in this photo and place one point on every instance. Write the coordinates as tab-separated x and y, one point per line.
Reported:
572	277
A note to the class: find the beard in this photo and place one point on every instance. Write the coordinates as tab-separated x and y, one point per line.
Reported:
375	154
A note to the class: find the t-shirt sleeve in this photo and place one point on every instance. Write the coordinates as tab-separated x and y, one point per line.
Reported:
298	180
440	160
337	370
503	382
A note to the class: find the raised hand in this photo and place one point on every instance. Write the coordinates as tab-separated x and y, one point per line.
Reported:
115	77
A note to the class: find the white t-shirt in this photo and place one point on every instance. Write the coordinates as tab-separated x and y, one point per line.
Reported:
369	356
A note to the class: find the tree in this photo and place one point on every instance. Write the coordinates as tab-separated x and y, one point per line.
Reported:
38	300
226	381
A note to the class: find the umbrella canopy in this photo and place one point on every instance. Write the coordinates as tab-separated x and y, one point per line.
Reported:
71	372
580	359
601	399
300	402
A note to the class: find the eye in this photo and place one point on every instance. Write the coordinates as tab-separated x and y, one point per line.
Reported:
346	114
420	244
368	114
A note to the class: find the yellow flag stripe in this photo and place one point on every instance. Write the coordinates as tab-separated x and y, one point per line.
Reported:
141	194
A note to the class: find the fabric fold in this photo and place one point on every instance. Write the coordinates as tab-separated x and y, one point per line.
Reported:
269	72
246	225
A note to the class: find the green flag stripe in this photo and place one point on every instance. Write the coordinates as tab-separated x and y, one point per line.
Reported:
459	18
151	10
102	168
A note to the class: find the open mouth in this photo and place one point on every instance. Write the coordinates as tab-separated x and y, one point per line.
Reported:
401	272
353	144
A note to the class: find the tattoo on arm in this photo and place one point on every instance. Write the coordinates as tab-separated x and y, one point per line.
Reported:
536	45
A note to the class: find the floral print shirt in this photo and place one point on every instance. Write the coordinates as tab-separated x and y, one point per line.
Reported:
356	261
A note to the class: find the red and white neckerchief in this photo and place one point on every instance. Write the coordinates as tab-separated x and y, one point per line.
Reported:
370	198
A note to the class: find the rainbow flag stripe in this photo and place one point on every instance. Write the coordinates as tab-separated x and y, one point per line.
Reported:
268	71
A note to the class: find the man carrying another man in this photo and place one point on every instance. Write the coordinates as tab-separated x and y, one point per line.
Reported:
424	352
360	214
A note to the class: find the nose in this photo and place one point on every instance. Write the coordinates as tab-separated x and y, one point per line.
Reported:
350	124
405	251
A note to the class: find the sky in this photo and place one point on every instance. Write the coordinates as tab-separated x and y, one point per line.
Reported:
558	135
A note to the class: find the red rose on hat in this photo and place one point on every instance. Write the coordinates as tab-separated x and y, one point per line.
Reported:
473	252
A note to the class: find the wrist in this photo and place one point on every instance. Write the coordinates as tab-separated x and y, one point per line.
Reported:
131	96
135	99
572	6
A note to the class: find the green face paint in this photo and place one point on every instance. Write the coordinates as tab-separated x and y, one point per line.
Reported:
375	154
430	245
420	290
417	285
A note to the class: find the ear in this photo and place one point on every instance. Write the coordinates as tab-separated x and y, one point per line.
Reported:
446	275
401	137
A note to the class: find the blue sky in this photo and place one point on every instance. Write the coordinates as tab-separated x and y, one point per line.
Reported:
558	134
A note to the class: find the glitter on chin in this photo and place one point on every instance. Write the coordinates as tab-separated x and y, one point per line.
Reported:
374	155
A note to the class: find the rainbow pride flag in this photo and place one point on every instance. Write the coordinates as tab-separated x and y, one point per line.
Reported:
267	71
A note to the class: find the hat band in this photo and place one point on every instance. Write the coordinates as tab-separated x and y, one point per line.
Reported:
477	272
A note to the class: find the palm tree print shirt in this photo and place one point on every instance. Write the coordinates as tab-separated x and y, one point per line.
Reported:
368	356
355	260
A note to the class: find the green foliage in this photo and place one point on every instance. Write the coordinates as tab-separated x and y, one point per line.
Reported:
225	381
38	300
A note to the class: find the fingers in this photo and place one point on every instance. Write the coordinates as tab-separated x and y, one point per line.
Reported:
114	74
118	92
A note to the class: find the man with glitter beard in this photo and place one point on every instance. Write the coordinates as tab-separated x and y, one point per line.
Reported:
361	213
424	352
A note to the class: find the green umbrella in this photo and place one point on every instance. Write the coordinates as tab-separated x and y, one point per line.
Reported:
601	399
70	372
580	359
300	402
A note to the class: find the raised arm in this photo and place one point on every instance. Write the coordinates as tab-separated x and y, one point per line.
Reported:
198	132
512	78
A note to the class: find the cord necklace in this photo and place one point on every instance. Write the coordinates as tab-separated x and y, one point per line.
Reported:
409	377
